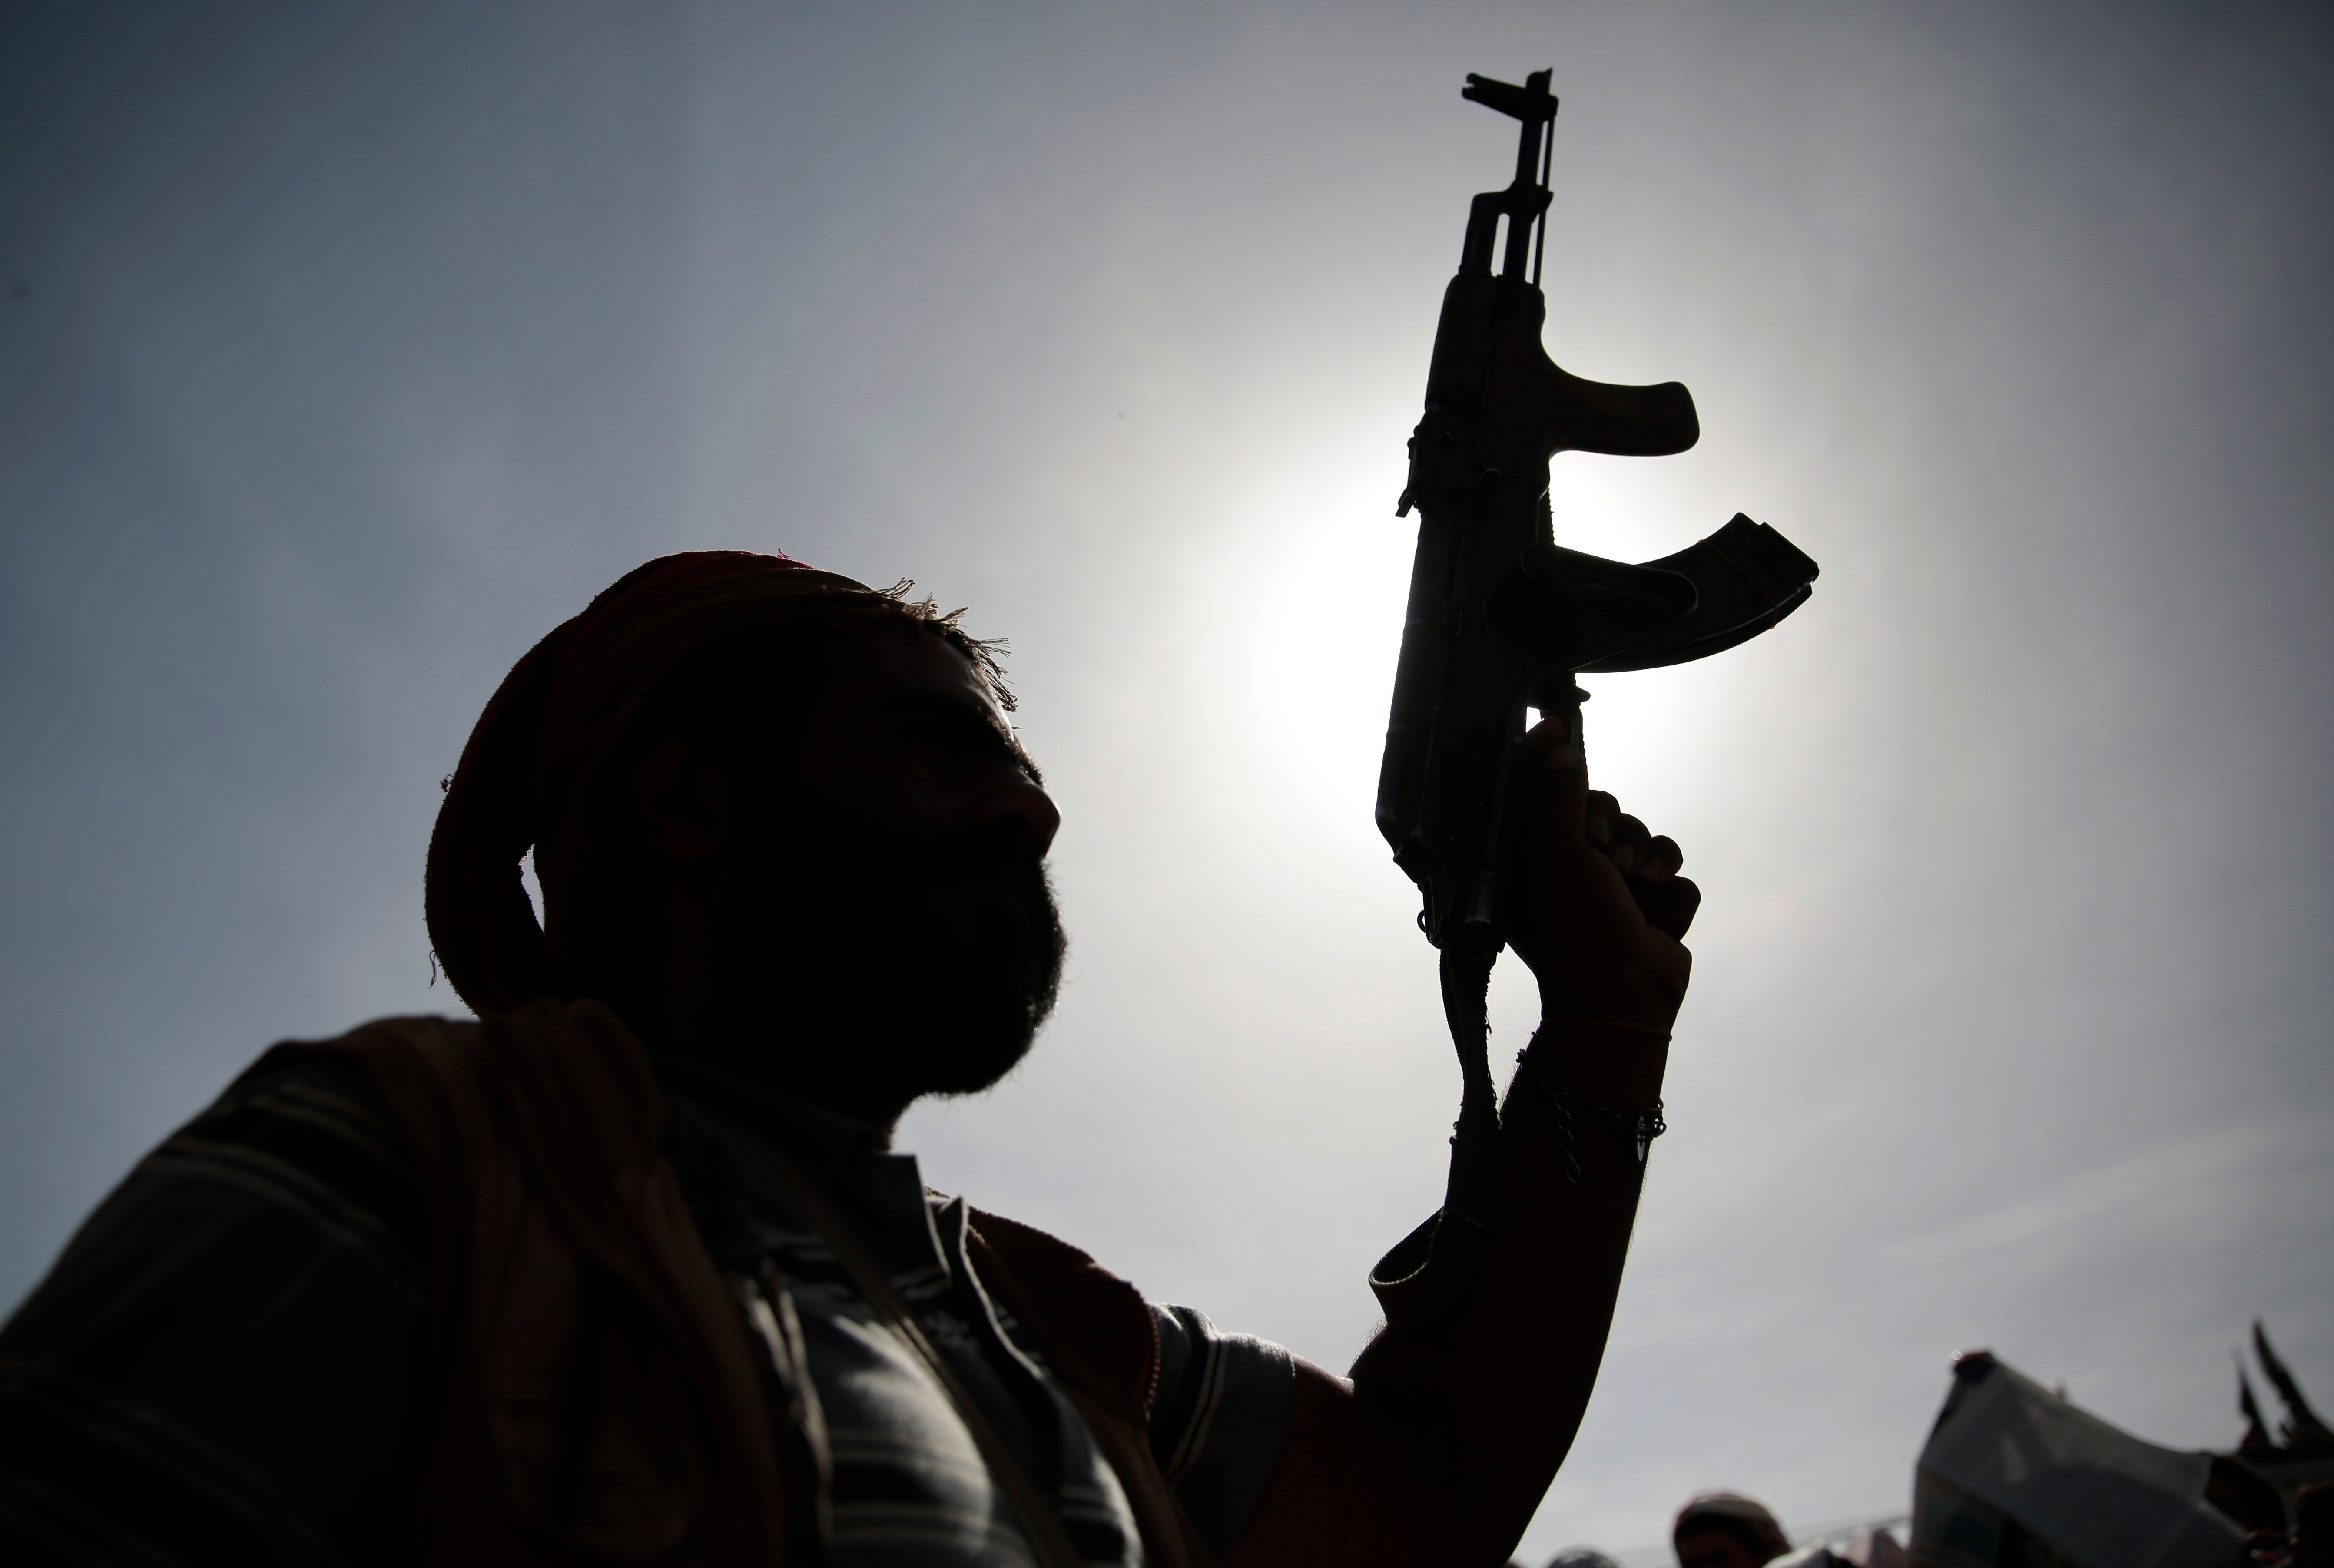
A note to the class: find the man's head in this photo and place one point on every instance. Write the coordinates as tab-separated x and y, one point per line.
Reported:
840	878
1726	1530
781	824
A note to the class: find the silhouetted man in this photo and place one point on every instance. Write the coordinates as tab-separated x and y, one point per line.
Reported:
628	1271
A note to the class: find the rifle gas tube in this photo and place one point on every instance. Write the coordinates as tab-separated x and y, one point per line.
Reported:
1501	618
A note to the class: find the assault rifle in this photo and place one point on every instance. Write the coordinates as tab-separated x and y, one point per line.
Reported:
1501	618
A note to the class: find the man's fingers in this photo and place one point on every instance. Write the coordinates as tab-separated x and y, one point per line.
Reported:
1660	858
1635	850
1668	905
1602	810
1563	773
1626	848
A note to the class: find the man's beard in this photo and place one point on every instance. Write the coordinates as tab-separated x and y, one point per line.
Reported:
910	966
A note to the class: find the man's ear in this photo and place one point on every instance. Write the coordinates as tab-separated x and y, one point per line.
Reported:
684	799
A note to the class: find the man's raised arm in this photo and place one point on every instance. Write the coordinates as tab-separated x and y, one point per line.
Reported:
1441	1444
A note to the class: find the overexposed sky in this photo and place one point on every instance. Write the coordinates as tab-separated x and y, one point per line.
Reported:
345	349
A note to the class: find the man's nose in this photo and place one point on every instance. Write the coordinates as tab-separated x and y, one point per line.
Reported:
1024	804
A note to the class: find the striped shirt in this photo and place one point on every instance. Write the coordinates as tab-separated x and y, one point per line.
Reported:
230	1361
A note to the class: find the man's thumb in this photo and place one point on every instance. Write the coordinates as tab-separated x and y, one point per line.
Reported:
1560	774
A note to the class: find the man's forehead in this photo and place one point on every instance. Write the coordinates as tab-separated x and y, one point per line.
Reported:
907	668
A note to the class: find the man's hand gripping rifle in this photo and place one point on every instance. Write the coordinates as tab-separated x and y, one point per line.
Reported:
1501	618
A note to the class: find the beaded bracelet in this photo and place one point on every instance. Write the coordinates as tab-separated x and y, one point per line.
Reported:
1643	1126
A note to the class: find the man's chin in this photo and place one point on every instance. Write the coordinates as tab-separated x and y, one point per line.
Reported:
967	1073
965	1050
940	994
982	930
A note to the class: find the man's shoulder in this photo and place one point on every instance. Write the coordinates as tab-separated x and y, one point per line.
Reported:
351	1058
1039	1260
1094	1327
1027	1243
572	1070
396	1031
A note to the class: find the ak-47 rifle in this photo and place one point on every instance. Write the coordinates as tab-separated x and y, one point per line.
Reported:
1501	618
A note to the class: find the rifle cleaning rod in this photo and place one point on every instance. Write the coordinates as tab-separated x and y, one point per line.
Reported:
1547	154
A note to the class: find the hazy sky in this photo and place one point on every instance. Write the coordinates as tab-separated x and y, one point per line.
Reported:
347	348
